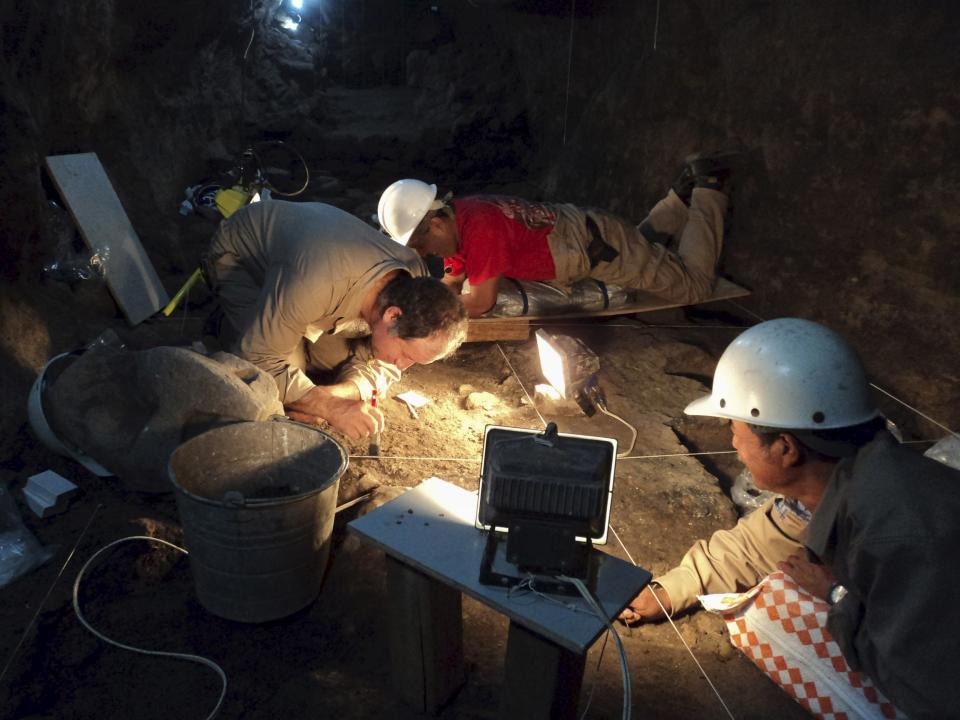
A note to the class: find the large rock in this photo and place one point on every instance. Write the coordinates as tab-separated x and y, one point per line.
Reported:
129	410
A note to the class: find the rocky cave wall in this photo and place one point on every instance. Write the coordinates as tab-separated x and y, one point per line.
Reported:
844	210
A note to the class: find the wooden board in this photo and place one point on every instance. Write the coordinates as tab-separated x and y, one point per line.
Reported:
426	638
552	690
518	328
430	528
86	190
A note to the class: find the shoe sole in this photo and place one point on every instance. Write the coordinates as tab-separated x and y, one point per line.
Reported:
706	163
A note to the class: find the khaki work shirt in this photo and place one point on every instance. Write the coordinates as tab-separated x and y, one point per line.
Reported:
737	559
288	273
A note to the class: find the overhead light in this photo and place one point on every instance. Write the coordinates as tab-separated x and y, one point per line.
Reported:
296	4
571	368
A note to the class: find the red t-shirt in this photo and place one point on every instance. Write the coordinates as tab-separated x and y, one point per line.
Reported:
502	236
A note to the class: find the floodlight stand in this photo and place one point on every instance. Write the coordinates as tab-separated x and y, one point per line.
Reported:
590	396
541	549
578	562
548	547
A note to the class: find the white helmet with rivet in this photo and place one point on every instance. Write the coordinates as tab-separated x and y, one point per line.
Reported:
792	374
403	205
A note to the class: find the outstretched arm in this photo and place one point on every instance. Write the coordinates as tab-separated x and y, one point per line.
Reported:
647	608
730	561
482	297
341	406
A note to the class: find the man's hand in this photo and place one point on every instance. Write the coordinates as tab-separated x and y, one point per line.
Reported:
482	297
815	579
347	415
454	282
645	608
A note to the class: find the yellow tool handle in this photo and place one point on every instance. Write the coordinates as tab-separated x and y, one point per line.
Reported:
182	292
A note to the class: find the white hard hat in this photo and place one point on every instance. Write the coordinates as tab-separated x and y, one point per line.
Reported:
792	374
403	205
41	428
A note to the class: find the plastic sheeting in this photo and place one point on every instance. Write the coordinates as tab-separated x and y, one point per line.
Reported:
517	298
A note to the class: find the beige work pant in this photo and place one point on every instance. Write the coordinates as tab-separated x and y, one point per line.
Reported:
685	276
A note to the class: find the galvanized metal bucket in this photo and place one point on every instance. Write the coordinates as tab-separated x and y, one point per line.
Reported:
257	502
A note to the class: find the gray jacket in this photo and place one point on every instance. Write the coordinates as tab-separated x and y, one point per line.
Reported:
889	527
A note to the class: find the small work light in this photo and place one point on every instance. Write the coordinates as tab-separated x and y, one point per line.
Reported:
571	368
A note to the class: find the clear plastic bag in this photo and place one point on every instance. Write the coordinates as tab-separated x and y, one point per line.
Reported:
946	450
20	551
72	262
538	298
746	495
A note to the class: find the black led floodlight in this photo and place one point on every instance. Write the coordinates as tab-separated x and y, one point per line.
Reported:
548	494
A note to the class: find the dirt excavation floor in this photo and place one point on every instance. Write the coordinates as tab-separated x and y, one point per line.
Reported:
331	660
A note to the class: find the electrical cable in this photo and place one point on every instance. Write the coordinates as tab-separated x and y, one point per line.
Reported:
566	101
602	616
656	26
633	430
253	31
528	584
243	73
593	684
297	155
160	653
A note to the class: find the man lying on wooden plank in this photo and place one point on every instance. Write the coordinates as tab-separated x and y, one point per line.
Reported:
488	237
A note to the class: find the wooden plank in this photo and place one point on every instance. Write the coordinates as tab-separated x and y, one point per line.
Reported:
86	190
487	329
518	328
430	528
426	638
541	679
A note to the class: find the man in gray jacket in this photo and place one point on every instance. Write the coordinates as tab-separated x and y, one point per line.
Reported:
308	287
881	542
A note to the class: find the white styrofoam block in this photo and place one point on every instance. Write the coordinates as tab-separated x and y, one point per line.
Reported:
41	508
47	493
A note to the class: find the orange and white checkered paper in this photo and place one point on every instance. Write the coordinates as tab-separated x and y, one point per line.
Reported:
783	629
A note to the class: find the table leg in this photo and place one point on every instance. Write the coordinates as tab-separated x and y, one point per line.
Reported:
542	680
426	637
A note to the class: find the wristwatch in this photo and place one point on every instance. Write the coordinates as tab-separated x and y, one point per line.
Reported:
836	593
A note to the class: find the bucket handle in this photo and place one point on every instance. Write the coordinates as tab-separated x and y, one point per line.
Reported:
291	421
235	501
